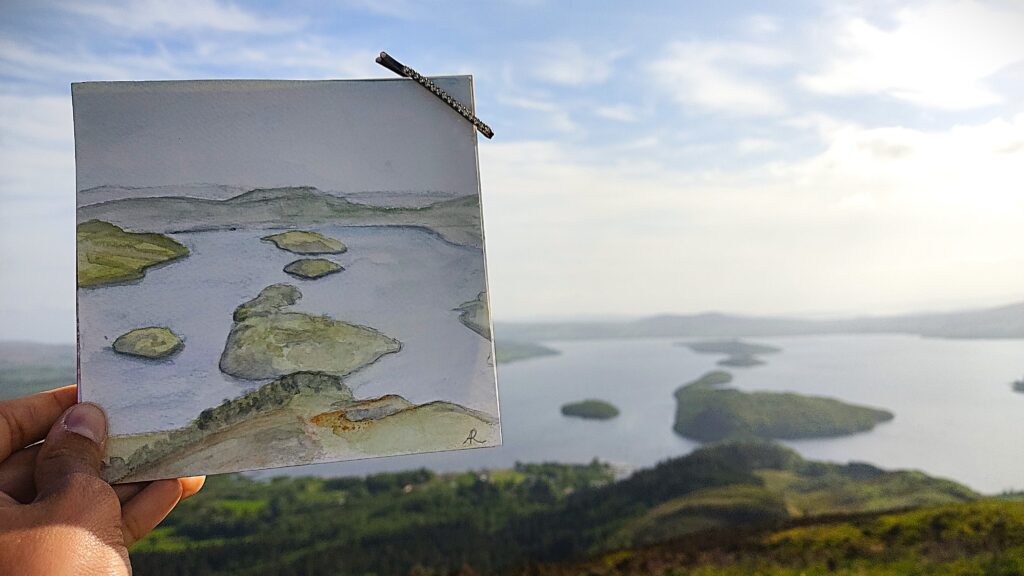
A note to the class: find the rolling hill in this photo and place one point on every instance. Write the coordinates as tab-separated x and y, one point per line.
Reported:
1000	322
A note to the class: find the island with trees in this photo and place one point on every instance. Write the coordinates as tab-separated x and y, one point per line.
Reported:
738	354
706	412
509	351
590	409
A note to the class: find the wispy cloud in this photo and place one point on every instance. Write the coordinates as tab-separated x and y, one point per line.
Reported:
617	112
762	24
25	61
940	55
721	76
557	117
747	146
172	16
568	64
400	9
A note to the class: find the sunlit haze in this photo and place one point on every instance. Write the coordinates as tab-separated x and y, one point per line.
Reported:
764	158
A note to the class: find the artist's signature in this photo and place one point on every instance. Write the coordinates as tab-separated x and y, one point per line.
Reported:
471	439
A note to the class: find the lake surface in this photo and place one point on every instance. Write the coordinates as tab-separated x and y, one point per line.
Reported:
956	415
405	282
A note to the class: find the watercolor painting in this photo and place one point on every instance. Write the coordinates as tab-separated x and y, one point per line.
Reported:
273	273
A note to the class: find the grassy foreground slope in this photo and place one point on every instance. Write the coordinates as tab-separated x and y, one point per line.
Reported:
497	521
976	538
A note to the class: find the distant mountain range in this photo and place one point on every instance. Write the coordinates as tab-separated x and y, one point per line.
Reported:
1001	322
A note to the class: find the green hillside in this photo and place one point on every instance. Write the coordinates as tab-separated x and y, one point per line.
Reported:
977	538
495	521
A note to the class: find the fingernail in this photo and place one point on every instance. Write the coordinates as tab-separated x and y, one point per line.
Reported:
87	420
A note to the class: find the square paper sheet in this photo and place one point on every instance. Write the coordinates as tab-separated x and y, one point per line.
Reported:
274	273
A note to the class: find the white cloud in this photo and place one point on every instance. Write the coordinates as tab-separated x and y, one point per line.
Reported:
617	112
26	62
310	57
306	57
36	147
556	115
950	174
762	24
721	76
161	16
400	9
882	219
568	64
756	146
940	54
37	191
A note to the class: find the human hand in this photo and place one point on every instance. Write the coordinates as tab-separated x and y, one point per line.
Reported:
56	515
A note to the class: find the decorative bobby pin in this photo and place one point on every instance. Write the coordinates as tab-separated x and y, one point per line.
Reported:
402	70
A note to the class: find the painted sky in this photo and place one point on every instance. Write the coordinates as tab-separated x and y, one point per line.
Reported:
787	157
380	135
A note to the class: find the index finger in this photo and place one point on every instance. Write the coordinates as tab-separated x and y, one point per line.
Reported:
25	421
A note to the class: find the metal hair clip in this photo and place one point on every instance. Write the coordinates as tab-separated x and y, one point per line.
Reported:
402	70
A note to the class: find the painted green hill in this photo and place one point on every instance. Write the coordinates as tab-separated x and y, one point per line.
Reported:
153	342
267	341
456	220
107	254
475	315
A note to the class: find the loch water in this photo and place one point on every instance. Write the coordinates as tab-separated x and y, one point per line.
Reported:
956	414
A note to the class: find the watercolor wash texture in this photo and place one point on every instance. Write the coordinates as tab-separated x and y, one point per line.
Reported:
275	273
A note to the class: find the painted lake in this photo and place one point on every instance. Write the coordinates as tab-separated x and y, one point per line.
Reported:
956	415
405	282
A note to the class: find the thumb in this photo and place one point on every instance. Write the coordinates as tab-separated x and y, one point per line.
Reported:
72	451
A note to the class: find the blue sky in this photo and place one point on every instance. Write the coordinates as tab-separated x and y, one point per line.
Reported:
786	157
